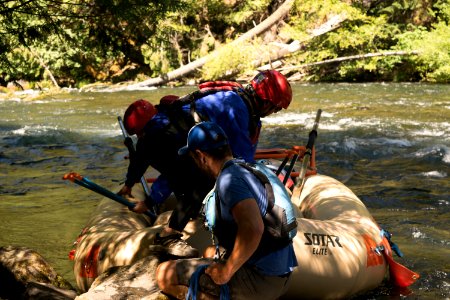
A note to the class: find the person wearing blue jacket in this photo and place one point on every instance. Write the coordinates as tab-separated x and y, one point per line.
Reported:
162	131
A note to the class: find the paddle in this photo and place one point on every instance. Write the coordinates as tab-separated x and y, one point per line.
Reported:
306	159
131	150
291	165
400	275
85	182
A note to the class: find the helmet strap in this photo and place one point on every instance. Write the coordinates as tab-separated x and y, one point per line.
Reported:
253	101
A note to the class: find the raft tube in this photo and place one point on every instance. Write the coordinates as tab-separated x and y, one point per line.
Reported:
115	236
336	242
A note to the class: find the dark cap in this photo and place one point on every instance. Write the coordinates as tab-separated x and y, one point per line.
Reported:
204	136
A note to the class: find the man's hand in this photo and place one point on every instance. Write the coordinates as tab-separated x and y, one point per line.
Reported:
140	207
219	273
125	191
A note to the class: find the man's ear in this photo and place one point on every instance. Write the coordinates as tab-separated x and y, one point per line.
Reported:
197	154
201	156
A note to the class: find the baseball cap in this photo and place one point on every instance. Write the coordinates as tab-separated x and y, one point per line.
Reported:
204	136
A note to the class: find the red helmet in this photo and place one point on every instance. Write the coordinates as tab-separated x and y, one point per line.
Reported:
273	86
137	115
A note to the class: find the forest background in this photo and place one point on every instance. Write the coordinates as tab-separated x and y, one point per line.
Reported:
72	43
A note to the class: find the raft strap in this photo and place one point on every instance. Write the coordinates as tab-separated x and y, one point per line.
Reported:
394	247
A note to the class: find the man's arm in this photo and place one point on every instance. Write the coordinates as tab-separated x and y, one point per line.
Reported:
250	230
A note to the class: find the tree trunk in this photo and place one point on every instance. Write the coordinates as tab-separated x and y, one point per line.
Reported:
279	14
286	49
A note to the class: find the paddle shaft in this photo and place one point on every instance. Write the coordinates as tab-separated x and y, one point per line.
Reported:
85	182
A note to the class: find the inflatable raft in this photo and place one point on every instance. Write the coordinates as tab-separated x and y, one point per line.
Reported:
340	249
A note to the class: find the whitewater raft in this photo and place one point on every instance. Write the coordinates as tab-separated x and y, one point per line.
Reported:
340	248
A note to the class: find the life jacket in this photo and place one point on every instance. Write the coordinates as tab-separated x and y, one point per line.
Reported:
280	223
183	121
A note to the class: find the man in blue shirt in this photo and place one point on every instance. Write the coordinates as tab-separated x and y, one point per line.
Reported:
251	270
235	108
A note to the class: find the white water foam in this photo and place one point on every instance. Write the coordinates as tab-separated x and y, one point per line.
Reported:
288	119
33	130
434	174
430	132
417	234
39	130
439	150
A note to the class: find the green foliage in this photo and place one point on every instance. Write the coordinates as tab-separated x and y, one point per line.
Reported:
99	33
434	46
85	41
231	59
441	11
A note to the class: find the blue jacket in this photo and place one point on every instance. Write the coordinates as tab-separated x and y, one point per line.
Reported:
227	109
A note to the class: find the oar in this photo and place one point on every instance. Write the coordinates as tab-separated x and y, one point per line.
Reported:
131	150
306	159
85	182
400	275
291	165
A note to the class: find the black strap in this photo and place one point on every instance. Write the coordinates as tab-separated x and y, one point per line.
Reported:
264	180
261	177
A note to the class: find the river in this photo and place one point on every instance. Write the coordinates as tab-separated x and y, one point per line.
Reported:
389	143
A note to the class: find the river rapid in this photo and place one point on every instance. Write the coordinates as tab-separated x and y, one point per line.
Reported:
389	143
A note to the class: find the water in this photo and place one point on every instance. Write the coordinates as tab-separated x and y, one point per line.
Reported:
390	143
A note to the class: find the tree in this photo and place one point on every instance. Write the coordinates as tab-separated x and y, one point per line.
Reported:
90	35
280	13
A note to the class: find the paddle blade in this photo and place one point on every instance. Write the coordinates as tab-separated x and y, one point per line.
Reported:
399	274
72	176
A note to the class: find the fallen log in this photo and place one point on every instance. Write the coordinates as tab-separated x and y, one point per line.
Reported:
279	14
351	57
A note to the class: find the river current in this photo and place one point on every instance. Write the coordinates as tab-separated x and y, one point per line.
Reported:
389	143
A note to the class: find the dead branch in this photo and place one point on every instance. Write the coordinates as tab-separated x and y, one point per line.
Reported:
352	57
279	14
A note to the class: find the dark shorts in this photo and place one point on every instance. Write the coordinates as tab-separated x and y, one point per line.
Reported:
246	283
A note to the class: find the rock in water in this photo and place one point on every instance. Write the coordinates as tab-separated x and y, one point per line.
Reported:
128	282
20	266
42	291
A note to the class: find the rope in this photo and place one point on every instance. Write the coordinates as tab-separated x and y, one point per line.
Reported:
193	285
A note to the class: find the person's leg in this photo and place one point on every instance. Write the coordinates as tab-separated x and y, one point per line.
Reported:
249	284
163	156
167	280
173	278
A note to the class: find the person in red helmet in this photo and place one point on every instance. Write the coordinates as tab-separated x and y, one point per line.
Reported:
137	115
164	129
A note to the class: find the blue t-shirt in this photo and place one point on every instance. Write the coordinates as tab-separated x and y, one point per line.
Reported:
235	184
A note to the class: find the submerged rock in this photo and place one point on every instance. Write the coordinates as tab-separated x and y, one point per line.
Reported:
23	269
